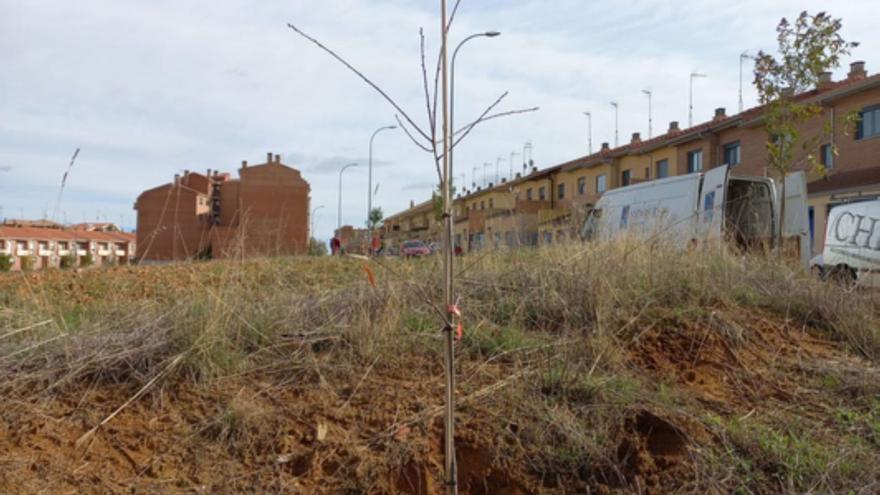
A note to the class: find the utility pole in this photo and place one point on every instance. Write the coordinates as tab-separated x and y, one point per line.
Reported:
691	97
616	109
648	93
589	132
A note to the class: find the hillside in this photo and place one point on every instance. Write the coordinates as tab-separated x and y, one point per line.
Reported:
593	369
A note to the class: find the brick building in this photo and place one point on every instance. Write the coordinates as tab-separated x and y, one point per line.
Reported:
541	207
36	248
265	212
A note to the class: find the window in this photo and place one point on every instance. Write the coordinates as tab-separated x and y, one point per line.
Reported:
647	172
43	245
491	203
662	169
600	184
695	161
2	244
625	177
826	156
732	153
482	205
542	193
869	123
62	245
582	186
529	194
560	191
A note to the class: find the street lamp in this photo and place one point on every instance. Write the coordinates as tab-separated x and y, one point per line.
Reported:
339	208
312	220
648	93
487	34
589	132
614	104
370	177
691	97
512	155
742	57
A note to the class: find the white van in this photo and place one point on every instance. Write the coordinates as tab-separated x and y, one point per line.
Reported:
690	209
852	244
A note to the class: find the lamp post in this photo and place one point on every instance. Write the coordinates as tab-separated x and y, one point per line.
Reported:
339	208
742	57
487	34
370	178
589	132
513	154
691	97
647	92
616	109
312	220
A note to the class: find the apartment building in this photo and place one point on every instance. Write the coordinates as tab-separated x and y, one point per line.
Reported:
265	212
37	248
545	205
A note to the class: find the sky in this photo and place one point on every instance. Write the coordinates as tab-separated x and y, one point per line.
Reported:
147	89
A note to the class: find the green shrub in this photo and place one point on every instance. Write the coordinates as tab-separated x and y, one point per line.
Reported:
68	261
27	263
5	262
86	260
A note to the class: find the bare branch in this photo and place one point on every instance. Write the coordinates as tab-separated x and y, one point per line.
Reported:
467	130
431	122
482	115
410	136
362	76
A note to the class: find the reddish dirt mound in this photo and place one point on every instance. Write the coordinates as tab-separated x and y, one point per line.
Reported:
653	451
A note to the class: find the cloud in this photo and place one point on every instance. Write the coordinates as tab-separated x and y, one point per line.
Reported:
149	88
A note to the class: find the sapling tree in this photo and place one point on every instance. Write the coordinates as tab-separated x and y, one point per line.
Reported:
809	46
376	217
436	137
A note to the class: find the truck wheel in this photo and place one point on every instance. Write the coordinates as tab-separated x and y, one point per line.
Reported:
843	276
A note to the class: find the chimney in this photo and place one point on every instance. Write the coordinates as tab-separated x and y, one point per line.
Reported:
824	81
518	175
534	170
605	148
176	179
269	157
720	113
412	203
503	180
244	164
277	158
185	172
673	127
209	173
489	186
636	138
479	188
857	70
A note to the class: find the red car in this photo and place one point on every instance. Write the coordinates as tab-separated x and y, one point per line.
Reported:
415	248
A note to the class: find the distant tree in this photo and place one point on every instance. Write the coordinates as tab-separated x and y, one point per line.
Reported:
376	216
68	261
437	201
86	260
808	47
317	248
27	263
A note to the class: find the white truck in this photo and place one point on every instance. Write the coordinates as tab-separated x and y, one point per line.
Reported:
852	245
695	208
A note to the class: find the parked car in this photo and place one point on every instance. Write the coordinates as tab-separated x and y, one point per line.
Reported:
852	245
690	209
415	248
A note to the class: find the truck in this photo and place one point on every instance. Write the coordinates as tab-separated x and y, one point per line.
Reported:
852	245
703	207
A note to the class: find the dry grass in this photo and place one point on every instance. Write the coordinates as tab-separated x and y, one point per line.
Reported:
602	366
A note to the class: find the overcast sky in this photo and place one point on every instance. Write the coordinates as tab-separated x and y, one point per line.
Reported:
149	88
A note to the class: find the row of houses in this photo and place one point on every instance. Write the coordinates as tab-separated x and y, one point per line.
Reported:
37	248
541	206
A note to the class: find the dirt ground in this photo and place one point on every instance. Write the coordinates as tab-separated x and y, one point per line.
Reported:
250	434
